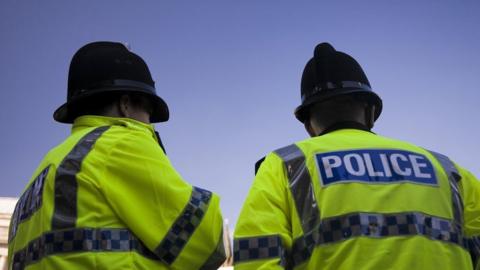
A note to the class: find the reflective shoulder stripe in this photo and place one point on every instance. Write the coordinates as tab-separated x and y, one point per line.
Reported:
79	240
258	248
183	228
453	178
300	186
65	208
218	256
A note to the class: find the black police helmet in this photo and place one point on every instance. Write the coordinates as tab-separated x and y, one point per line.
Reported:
101	68
331	73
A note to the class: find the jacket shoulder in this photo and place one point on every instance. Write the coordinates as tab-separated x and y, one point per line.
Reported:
258	164
285	153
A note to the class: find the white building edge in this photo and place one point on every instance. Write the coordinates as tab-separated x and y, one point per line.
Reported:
7	206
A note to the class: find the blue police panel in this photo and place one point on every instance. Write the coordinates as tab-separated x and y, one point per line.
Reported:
375	166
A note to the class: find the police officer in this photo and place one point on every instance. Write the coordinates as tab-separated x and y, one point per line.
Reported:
108	197
347	198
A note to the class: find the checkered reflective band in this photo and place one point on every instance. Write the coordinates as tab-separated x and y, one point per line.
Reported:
258	248
374	225
183	228
79	240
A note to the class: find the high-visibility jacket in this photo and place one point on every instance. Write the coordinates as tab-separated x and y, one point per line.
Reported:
351	199
109	198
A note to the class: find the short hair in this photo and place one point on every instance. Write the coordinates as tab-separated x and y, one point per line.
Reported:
101	103
339	108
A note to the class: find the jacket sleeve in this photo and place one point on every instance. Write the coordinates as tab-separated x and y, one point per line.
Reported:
470	190
182	225
263	231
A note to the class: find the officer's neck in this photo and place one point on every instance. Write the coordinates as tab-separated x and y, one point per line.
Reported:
344	125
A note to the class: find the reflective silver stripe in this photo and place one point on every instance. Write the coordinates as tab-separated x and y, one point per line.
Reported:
454	178
300	186
183	228
79	240
65	209
217	257
258	248
341	228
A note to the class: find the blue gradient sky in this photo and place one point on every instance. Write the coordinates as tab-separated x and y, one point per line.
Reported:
230	72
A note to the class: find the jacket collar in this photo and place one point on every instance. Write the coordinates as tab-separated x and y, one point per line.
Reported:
87	121
345	125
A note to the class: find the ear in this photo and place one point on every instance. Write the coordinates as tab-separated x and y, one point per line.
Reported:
124	106
370	116
309	128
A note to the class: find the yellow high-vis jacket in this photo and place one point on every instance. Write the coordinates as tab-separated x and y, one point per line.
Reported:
351	199
109	198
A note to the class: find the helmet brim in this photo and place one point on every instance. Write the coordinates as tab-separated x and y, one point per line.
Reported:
65	113
302	111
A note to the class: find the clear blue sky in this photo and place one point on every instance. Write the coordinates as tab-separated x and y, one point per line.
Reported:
230	72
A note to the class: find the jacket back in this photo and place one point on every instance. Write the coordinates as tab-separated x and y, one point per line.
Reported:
108	198
351	199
